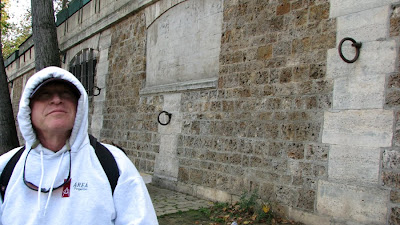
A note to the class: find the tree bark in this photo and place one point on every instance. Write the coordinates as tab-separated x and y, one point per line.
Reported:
8	131
44	32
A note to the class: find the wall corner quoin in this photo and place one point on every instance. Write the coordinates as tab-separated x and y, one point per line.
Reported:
345	7
361	204
368	127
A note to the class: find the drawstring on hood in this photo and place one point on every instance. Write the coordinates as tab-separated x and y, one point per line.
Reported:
52	183
42	172
78	138
41	177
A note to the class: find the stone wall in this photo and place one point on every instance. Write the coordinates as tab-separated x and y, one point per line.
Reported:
391	155
261	128
359	126
129	119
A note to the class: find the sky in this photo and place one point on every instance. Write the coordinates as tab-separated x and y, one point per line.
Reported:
17	9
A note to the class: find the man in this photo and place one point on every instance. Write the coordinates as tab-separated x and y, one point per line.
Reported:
58	178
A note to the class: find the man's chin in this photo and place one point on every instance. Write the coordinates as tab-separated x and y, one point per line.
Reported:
60	125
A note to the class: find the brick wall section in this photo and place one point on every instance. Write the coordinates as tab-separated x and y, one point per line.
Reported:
260	130
18	85
17	93
391	156
130	121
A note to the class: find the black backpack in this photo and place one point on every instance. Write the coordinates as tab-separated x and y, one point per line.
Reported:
105	157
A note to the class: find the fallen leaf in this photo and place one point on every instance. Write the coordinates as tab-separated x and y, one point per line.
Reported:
226	217
266	208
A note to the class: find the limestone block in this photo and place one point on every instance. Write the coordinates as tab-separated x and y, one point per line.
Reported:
166	166
155	10
98	108
366	205
368	25
172	105
376	57
344	7
102	68
168	145
167	163
97	123
354	164
307	218
102	71
105	40
172	102
182	86
359	92
146	177
183	43
373	128
213	194
61	30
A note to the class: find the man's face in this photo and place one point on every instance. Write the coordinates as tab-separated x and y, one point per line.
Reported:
53	109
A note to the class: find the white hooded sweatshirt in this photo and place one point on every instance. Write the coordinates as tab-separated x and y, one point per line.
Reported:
89	200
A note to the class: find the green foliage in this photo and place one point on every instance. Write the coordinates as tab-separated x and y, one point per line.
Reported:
248	202
12	44
13	35
220	205
60	4
4	16
248	210
205	211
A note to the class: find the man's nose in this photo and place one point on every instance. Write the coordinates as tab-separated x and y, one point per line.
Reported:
56	97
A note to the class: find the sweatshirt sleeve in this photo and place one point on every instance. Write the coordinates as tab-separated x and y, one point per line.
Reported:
3	162
131	197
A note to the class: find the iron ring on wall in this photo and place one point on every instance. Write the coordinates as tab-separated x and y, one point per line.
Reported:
98	89
355	44
169	115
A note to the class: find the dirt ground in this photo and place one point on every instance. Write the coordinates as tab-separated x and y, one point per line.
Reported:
189	217
198	218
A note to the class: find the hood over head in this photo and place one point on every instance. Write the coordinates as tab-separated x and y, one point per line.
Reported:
38	80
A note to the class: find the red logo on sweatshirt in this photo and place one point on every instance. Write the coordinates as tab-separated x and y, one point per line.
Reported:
66	189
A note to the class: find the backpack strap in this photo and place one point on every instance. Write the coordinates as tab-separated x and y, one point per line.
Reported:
107	161
8	170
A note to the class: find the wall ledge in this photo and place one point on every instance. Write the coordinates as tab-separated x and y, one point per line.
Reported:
180	87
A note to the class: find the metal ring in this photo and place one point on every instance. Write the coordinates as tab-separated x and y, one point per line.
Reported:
169	117
355	44
98	89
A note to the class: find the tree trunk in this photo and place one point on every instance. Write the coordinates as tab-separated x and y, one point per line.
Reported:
8	131
44	32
